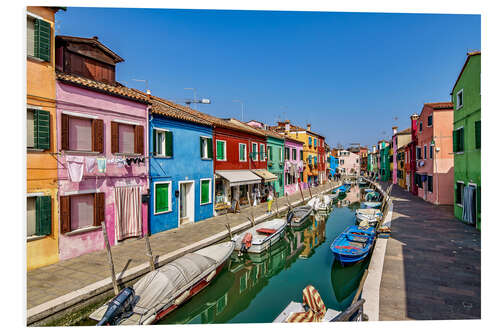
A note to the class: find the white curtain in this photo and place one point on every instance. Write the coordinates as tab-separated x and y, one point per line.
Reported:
128	215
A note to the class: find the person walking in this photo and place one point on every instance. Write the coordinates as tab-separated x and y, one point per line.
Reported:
270	199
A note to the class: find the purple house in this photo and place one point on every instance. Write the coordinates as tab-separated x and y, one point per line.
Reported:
293	164
102	150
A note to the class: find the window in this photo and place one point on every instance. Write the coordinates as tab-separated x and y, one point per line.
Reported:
301	155
39	216
458	140
287	153
477	132
162	143
38	129
341	162
163	197
425	152
255	151
294	154
459	191
269	153
429	120
315	143
129	139
206	148
82	133
243	152
38	38
460	99
221	150
206	191
431	152
280	152
420	127
81	211
419	153
430	183
310	141
262	152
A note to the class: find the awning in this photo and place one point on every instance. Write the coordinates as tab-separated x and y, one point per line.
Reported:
266	175
239	177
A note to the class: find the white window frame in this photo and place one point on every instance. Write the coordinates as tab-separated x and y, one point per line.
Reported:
460	92
209	194
257	151
169	197
280	151
463	151
262	147
239	147
225	151
205	152
416	155
164	143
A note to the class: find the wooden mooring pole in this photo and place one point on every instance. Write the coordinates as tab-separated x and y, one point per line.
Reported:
301	194
149	253
310	193
110	258
276	200
229	230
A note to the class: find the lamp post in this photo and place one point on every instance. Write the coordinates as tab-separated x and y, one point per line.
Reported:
196	101
241	102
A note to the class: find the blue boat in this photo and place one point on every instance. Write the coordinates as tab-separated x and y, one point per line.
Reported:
353	244
342	189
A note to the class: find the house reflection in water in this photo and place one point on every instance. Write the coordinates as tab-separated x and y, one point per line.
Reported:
314	235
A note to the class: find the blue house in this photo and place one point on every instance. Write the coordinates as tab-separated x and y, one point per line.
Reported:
180	168
334	163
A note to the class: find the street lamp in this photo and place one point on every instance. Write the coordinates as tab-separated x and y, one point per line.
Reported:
238	101
196	101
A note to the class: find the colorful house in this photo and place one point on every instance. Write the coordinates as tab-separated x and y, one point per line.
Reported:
177	139
411	167
384	161
102	154
349	163
41	198
294	166
371	164
399	141
434	175
466	95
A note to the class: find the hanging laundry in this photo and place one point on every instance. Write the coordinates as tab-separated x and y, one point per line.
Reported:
90	163
75	168
119	162
101	164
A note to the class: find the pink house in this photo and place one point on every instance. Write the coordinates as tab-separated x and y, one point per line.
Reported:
349	163
102	150
294	166
434	153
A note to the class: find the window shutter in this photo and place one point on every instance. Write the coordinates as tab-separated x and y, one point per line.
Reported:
153	149
115	147
42	39
210	148
139	139
65	209
205	191
478	134
42	129
98	135
99	202
43	215
462	139
169	144
201	147
64	132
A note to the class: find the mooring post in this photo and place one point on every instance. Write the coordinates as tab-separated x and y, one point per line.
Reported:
149	253
301	194
276	200
229	230
288	201
110	258
310	193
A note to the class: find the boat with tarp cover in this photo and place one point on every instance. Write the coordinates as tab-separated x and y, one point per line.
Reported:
163	290
353	244
299	215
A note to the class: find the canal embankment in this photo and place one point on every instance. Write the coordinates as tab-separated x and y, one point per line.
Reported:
69	288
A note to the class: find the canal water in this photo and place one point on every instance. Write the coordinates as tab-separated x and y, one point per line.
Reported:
256	288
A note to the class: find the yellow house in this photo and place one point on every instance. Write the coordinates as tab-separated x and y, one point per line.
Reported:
41	197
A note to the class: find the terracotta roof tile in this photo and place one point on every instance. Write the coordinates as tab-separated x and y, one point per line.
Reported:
440	105
117	89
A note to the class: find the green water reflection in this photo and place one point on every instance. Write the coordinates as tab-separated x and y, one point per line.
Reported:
256	288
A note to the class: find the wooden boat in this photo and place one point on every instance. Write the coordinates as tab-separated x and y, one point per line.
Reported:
353	244
334	196
260	237
300	215
313	203
372	204
368	190
370	215
163	290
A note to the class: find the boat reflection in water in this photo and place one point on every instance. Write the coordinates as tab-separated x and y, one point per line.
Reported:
345	282
314	235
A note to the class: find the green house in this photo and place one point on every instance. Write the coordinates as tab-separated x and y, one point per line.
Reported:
466	97
276	160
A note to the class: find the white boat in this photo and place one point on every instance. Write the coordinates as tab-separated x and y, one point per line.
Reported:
163	290
262	236
370	215
299	215
372	204
313	203
334	196
294	307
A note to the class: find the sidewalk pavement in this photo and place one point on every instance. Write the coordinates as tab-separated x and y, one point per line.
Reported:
50	282
432	267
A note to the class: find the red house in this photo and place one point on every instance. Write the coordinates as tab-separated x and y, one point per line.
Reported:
412	151
322	160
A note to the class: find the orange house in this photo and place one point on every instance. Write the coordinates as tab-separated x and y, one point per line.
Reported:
41	196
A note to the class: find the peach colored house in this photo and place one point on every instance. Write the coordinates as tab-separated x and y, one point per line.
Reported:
434	153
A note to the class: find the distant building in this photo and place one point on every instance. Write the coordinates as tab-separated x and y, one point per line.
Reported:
349	163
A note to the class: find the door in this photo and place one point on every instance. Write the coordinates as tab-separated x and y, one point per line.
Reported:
186	202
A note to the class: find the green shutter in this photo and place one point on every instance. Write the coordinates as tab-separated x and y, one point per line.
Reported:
477	127
201	147
210	148
461	142
169	150
42	129
455	141
155	133
43	216
42	39
205	191
220	150
161	197
242	153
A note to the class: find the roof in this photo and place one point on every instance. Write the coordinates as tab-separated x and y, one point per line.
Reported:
469	55
293	128
264	131
116	90
440	105
94	42
292	139
405	131
242	126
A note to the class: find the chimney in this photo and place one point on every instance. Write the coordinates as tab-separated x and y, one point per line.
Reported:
414	116
308	127
148	91
287	126
394	130
374	149
95	37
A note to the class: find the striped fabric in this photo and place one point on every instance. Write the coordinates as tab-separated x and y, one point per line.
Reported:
317	309
128	217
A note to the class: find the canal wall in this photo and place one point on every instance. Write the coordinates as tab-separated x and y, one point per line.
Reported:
371	288
81	299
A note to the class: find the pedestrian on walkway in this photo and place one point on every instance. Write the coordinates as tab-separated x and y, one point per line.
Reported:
270	198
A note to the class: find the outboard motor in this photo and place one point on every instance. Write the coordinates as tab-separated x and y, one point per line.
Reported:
289	217
121	304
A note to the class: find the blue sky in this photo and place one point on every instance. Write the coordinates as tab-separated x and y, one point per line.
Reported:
348	74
